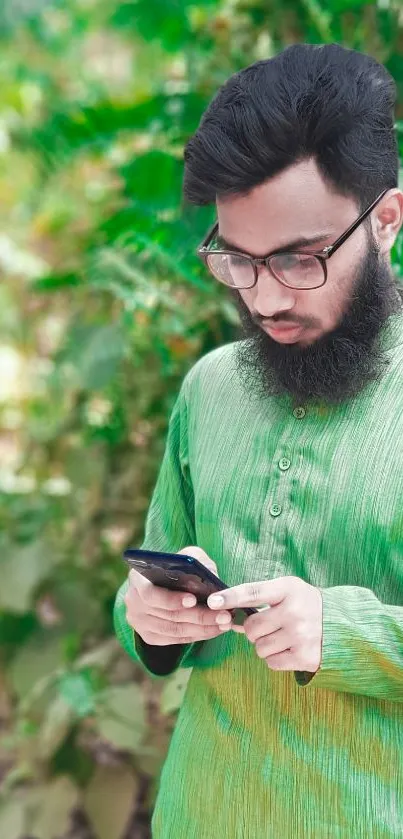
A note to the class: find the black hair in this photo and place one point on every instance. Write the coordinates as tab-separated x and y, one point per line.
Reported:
326	102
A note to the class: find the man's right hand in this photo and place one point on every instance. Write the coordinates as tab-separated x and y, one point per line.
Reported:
162	617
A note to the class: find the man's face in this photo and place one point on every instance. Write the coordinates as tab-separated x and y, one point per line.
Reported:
329	351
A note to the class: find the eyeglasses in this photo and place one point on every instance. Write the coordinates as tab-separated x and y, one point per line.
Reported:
295	269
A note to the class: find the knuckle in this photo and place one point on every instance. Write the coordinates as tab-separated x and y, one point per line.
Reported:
175	629
173	599
299	630
292	612
131	616
297	583
152	596
209	632
208	563
209	635
147	636
205	618
250	632
254	592
131	595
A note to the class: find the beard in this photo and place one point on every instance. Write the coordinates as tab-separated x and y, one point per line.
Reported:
338	365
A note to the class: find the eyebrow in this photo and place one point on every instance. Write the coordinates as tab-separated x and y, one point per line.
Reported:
302	242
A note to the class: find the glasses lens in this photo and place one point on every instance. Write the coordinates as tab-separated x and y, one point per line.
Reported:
231	269
298	270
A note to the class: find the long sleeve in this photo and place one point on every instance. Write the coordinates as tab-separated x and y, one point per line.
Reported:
362	649
169	527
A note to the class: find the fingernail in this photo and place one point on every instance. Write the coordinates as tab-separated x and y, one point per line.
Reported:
189	600
224	619
224	628
215	600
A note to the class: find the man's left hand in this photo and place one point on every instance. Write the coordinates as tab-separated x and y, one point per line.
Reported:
288	632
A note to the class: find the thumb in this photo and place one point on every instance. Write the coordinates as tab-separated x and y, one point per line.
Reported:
137	581
201	556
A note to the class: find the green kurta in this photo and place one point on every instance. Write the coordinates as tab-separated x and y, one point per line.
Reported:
267	489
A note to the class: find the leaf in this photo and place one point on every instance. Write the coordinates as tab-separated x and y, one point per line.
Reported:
81	127
120	716
174	691
12	817
134	231
76	689
173	27
5	699
100	656
109	799
81	611
58	720
37	659
100	358
22	568
340	6
142	185
55	282
50	808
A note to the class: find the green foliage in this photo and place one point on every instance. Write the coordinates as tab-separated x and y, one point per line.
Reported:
103	308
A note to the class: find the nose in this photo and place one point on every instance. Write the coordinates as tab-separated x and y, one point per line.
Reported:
272	297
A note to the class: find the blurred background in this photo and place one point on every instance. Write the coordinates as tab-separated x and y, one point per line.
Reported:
103	308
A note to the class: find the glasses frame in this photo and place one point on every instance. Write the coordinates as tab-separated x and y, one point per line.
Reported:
323	255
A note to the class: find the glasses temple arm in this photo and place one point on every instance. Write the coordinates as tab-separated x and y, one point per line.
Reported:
353	227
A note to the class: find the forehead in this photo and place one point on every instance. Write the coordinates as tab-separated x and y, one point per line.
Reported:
296	203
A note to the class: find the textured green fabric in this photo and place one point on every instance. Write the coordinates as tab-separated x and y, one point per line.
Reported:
254	754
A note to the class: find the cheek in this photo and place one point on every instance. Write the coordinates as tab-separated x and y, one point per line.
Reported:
343	271
336	297
247	297
326	305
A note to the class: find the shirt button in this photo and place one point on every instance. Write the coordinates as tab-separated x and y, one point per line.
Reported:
299	413
284	464
275	510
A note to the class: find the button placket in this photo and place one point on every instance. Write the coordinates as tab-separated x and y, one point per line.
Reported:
274	514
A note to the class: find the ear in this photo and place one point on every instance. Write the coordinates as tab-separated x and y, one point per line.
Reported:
388	219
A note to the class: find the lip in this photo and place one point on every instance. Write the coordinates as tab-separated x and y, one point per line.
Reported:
285	334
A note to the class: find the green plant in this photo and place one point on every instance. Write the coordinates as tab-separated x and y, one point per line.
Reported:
103	309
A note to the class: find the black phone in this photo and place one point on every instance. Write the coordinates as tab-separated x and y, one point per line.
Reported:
178	572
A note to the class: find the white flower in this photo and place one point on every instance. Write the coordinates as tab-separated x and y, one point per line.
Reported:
57	486
16	484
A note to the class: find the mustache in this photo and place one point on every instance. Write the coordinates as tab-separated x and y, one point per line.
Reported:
340	363
307	323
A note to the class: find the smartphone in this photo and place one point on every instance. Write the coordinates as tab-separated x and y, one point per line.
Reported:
178	572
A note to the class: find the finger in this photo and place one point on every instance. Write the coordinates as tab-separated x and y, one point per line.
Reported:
283	661
161	598
269	592
277	642
266	622
201	556
190	637
201	615
143	587
180	630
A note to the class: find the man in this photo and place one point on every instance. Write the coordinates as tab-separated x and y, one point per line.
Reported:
284	465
